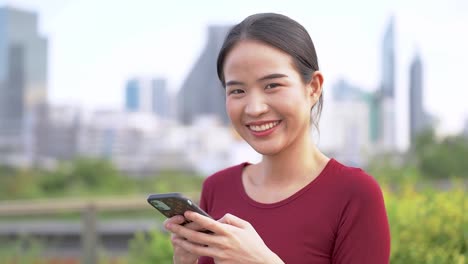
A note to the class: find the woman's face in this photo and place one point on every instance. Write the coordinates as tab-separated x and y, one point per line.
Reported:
266	99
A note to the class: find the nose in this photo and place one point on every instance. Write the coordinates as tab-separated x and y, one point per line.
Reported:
256	105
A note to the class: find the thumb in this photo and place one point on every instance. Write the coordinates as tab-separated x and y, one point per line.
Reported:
234	221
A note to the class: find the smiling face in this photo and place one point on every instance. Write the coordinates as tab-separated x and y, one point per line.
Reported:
266	99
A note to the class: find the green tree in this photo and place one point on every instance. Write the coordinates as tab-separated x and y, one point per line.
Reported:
441	159
85	176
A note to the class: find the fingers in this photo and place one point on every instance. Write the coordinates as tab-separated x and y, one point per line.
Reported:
194	226
234	221
205	222
193	236
215	226
181	255
194	248
200	222
178	220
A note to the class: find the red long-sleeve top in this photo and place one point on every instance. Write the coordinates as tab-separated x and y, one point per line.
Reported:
338	218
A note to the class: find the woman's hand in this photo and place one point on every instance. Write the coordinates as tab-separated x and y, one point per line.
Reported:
181	256
233	240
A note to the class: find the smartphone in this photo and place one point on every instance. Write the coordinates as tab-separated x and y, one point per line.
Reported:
171	204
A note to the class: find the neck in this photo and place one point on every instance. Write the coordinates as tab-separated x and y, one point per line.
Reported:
300	162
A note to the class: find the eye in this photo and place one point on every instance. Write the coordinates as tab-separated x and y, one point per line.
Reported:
236	91
272	85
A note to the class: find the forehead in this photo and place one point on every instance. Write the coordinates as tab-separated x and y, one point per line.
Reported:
249	57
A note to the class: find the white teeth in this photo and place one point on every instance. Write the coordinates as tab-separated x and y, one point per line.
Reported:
264	126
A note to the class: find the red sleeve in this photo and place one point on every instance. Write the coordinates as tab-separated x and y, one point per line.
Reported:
363	234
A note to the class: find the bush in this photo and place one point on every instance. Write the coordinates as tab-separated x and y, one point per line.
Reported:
428	227
152	248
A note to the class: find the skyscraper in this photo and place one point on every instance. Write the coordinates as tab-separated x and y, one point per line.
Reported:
147	95
132	95
386	94
201	92
388	61
352	130
160	98
23	80
418	119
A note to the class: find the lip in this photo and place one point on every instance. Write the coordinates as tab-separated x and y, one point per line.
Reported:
265	132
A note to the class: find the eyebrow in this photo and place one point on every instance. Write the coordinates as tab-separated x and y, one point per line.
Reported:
266	77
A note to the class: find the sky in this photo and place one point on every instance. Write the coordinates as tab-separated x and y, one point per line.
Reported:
95	46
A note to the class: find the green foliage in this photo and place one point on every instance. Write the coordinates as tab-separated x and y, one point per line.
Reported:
85	176
18	183
171	181
441	159
427	226
154	248
89	177
387	173
428	158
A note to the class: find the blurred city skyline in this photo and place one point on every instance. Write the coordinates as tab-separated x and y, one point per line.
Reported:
96	46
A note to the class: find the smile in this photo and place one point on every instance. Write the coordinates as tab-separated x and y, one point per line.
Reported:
263	127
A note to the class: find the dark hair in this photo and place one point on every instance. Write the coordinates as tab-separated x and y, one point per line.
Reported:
278	31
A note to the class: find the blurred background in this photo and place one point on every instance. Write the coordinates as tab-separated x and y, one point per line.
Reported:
104	102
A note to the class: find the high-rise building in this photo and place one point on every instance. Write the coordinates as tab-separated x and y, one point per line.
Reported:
138	97
160	98
57	135
201	92
23	81
147	95
132	95
352	130
375	127
386	95
418	119
388	61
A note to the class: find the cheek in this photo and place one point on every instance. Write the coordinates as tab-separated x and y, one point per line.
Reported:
233	109
296	109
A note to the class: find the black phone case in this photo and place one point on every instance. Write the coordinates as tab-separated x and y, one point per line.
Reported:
177	204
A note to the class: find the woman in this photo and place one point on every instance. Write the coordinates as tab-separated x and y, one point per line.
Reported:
296	205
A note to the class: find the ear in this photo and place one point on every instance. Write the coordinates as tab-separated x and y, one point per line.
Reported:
315	87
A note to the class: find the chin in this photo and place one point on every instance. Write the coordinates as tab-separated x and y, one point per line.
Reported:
266	150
